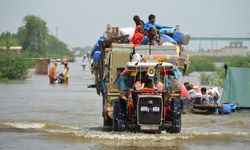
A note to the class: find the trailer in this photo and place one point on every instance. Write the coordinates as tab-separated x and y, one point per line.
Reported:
142	107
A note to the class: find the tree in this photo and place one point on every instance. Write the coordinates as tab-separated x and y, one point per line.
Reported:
37	42
33	35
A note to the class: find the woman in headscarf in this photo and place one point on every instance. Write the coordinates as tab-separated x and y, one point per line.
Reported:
138	35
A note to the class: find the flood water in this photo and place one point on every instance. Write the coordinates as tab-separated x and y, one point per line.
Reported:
36	115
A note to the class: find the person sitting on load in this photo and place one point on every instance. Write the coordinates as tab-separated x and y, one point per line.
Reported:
207	96
151	23
138	21
151	38
96	56
127	77
138	36
187	85
146	81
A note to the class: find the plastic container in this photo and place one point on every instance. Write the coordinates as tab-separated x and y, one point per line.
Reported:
167	30
233	107
165	38
226	109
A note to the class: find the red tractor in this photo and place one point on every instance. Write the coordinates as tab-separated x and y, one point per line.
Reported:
142	95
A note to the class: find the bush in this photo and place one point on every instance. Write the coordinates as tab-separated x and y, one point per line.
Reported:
201	64
241	62
12	66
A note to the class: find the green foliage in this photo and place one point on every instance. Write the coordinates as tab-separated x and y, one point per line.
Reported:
206	63
201	64
57	48
232	61
208	78
8	39
220	77
37	42
222	59
33	35
240	62
12	66
204	78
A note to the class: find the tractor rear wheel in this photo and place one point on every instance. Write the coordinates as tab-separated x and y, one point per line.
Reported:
174	116
119	115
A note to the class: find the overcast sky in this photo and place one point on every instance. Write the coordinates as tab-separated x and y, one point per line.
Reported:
81	22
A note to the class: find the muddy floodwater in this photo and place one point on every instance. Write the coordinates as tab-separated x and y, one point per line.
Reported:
36	115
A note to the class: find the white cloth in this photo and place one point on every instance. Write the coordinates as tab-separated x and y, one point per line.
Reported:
128	31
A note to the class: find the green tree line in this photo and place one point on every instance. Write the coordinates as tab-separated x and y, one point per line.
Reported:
8	39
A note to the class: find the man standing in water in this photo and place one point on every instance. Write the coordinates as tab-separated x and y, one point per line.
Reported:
52	74
65	77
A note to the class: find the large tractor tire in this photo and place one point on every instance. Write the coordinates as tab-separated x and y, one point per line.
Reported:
174	116
119	115
107	121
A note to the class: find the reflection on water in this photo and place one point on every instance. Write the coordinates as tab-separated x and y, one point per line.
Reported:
36	115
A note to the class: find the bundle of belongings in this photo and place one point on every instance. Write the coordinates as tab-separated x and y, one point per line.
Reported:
155	34
147	34
143	34
118	35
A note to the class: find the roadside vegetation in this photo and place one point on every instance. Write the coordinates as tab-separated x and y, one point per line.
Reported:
207	64
13	66
201	63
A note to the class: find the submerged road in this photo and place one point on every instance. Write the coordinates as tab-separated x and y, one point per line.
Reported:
36	115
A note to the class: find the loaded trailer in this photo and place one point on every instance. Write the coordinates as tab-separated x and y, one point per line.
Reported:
142	96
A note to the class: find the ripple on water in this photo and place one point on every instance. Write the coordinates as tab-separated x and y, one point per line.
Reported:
104	135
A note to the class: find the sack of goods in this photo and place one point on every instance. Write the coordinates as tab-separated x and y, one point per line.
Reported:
181	37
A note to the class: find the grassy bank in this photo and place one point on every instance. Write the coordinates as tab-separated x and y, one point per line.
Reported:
207	64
